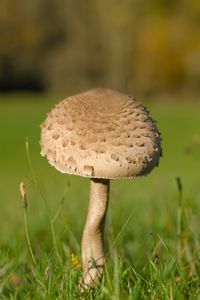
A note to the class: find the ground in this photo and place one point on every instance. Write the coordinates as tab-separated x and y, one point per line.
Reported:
152	232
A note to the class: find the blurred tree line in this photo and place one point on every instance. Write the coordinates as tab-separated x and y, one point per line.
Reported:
132	45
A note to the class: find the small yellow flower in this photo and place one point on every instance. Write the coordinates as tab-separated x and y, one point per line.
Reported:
75	261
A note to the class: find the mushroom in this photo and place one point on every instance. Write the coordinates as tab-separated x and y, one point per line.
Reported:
101	134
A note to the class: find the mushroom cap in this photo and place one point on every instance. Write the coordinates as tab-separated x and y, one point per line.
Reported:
101	133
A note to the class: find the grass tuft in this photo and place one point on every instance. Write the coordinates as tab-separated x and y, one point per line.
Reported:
152	232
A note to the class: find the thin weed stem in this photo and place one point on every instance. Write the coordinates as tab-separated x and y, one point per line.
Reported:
179	209
35	181
119	234
179	220
60	206
51	220
27	237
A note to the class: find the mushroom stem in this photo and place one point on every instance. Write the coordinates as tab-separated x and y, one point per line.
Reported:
93	235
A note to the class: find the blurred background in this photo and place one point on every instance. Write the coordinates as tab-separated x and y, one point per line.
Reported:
143	47
52	49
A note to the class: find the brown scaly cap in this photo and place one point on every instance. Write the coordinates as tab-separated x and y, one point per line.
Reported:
101	133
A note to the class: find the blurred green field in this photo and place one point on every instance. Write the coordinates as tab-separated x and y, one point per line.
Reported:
153	200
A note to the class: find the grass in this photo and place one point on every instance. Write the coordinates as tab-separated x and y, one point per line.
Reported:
152	231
